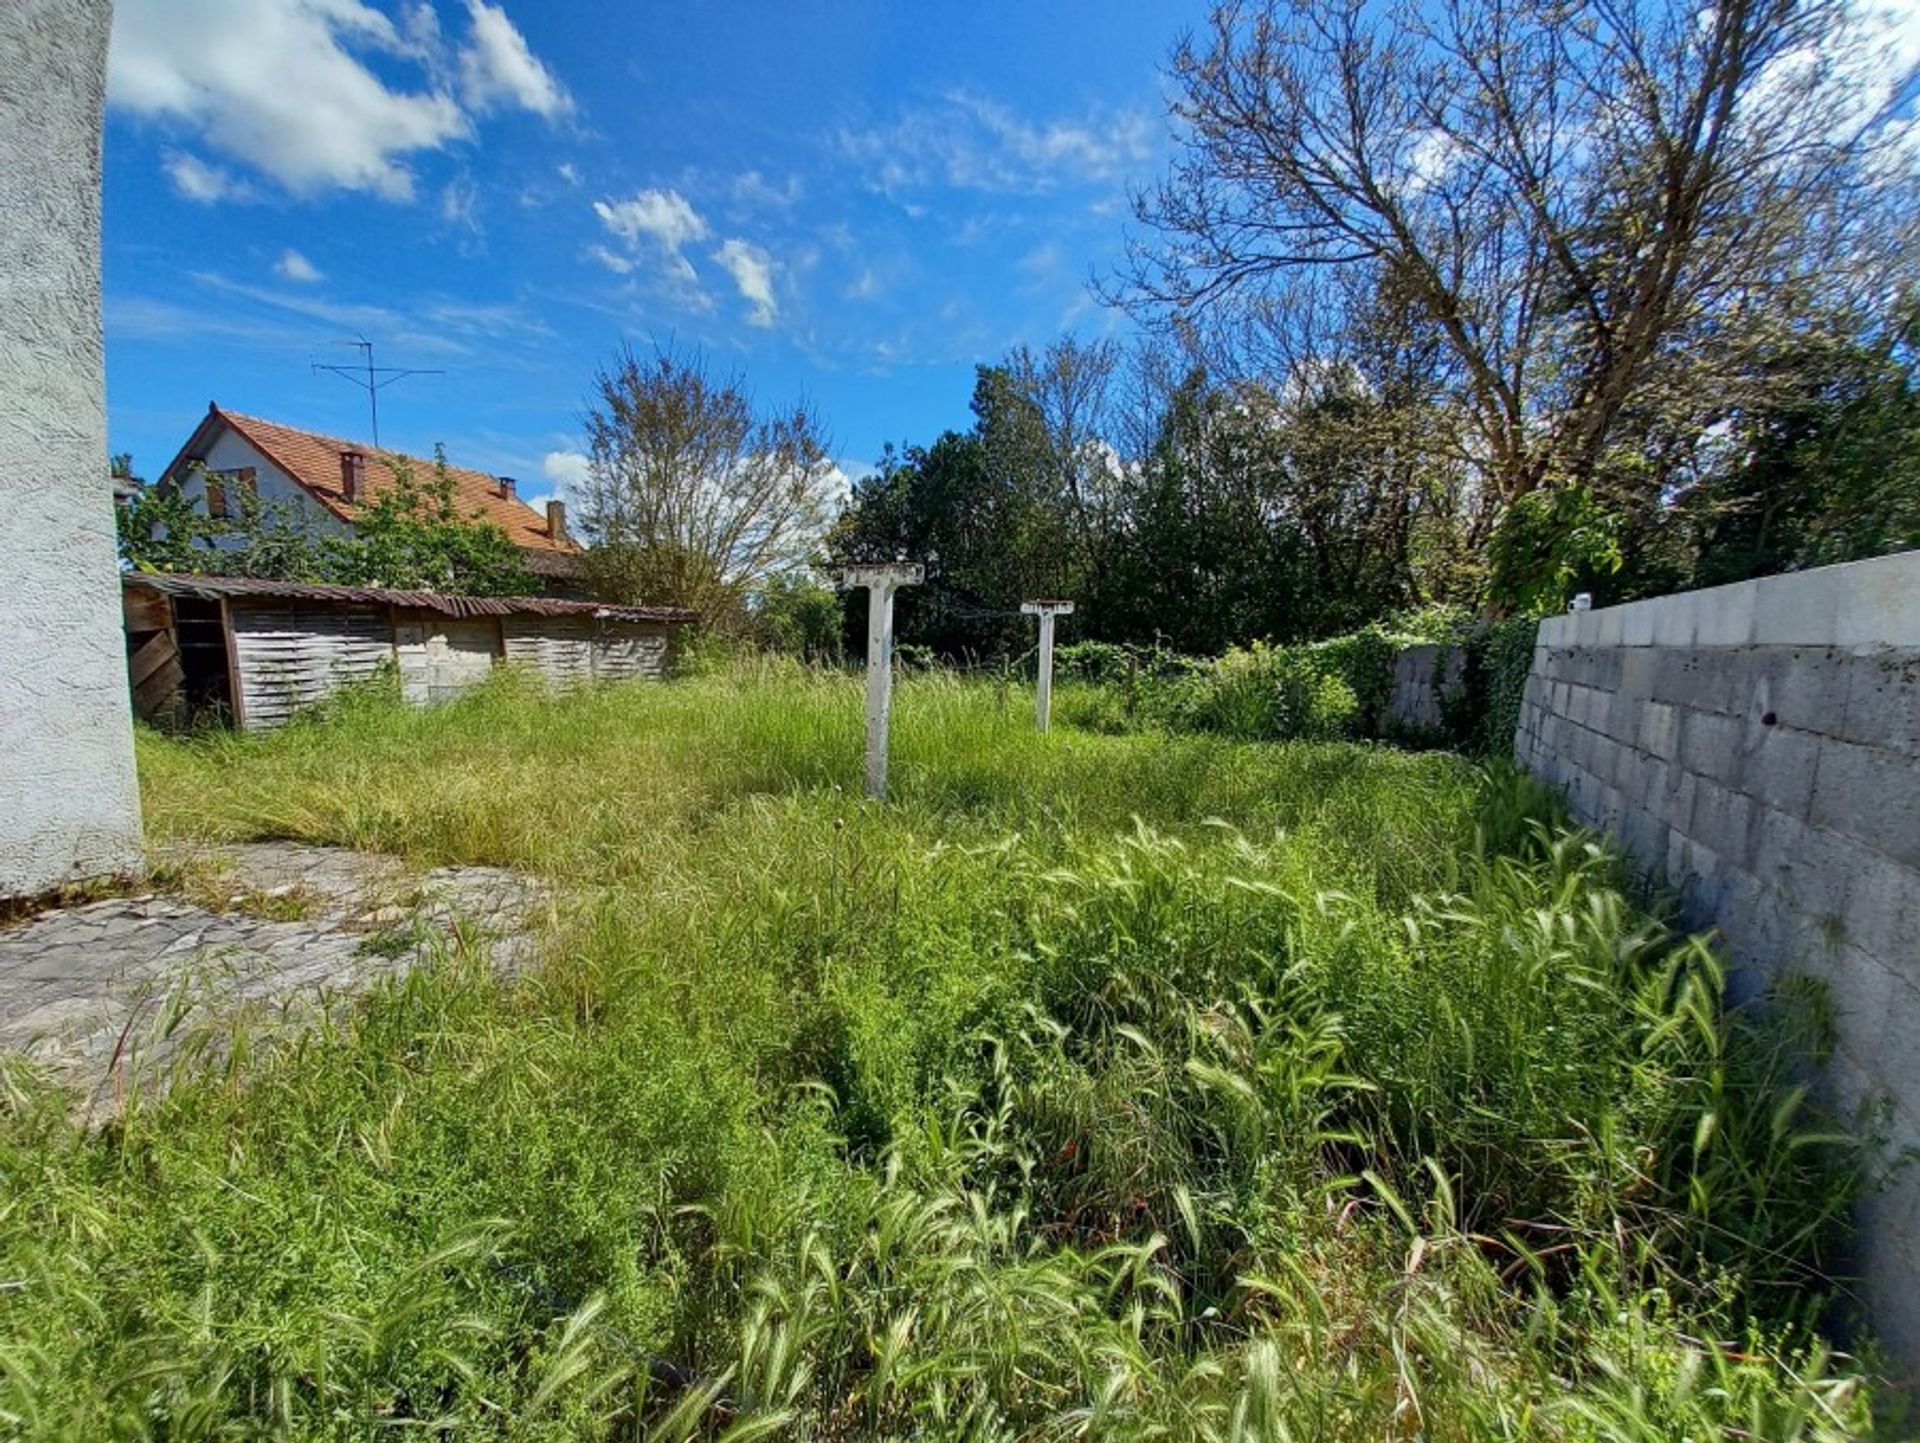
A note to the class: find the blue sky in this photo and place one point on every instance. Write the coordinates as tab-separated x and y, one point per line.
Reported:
854	202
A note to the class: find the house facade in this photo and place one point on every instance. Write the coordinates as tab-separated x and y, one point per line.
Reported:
327	481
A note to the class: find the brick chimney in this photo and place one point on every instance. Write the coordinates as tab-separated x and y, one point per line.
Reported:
353	474
507	485
557	520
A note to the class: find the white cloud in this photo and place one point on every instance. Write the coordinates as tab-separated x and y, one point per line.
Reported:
1863	69
296	267
197	180
978	144
752	272
458	202
660	219
497	67
569	173
753	190
564	468
285	87
612	260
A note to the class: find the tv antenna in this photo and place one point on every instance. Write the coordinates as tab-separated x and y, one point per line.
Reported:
371	378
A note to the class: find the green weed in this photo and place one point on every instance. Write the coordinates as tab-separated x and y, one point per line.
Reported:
1096	1086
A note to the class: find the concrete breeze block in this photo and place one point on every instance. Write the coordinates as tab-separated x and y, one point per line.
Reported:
1883	701
1798	609
1877	601
1724	615
1869	794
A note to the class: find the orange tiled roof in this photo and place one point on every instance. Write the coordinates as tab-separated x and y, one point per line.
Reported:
313	461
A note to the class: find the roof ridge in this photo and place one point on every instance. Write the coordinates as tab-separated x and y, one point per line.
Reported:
366	447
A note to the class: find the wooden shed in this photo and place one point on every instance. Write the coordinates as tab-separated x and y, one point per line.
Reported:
257	652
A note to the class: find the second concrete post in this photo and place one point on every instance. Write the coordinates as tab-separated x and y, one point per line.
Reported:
1043	688
881	582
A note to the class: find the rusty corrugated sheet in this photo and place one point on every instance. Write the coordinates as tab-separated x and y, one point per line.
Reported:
213	587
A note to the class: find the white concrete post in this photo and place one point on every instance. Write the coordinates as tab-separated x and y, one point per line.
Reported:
881	582
1043	690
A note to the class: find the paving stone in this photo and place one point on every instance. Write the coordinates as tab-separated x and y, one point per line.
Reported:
79	983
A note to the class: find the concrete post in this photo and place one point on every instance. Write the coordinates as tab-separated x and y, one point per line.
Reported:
1043	688
69	807
881	582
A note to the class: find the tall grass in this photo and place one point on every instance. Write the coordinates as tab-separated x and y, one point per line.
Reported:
1096	1086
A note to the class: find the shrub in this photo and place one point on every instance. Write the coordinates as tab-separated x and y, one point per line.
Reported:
1264	693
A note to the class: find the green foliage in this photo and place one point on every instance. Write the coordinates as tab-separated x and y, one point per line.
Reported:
413	536
162	529
1137	1086
795	615
1544	540
1363	660
1266	693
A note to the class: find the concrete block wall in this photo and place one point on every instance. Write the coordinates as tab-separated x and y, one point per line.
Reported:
69	806
1757	746
1423	676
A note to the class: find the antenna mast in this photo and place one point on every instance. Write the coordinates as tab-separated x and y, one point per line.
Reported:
371	378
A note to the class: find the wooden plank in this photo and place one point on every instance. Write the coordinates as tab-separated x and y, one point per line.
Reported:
157	699
144	610
236	693
152	654
288	656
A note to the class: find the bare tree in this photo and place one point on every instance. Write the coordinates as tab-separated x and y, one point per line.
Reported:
692	497
1560	191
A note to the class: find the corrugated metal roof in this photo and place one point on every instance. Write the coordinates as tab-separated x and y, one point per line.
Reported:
214	587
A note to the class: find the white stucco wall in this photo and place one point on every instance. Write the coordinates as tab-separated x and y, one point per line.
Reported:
69	807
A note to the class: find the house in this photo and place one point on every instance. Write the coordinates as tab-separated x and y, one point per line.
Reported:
327	481
257	652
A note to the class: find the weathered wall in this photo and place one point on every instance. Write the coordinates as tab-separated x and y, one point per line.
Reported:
442	656
290	655
623	650
68	806
1758	747
1423	678
560	648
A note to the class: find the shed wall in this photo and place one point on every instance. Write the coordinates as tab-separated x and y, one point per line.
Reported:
560	648
291	655
623	650
442	656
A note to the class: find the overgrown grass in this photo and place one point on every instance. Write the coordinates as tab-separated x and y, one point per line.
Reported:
1097	1086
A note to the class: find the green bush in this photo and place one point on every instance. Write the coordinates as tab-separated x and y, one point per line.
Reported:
1263	693
1364	660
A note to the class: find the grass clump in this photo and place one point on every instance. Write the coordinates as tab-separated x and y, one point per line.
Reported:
1119	1087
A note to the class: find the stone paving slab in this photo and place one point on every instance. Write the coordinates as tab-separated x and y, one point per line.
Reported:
273	923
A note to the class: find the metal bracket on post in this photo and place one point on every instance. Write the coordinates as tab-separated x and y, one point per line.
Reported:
881	582
1043	690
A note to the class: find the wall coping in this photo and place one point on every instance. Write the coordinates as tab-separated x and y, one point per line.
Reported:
1856	604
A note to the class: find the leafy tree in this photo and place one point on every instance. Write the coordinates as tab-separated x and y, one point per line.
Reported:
1546	540
693	496
795	615
413	536
1599	213
160	528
